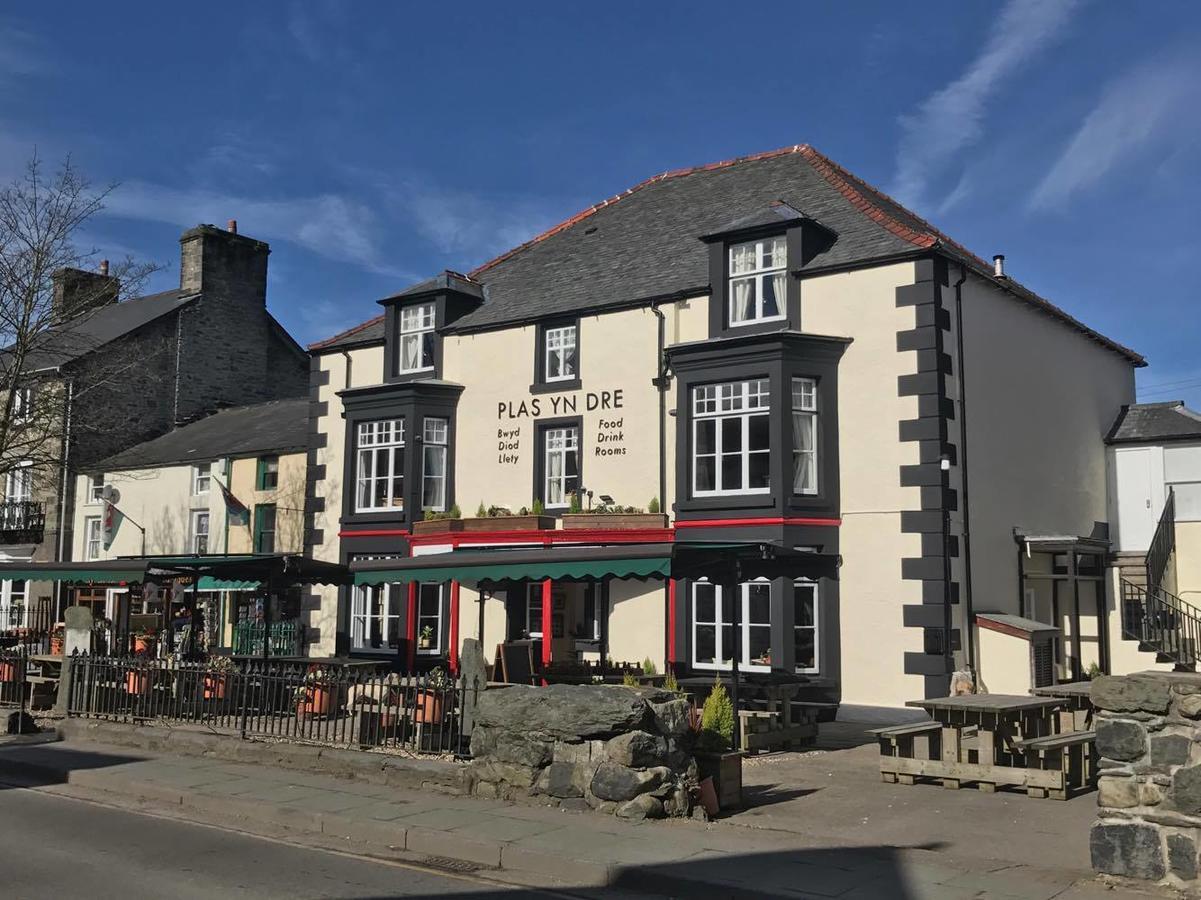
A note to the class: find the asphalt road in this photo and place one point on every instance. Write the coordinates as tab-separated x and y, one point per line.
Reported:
53	847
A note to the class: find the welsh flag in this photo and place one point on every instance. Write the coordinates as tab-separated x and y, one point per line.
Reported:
235	510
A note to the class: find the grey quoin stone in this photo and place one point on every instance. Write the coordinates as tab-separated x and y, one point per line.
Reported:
1121	740
1186	790
642	807
566	711
1170	750
1182	856
637	749
1130	849
1131	693
619	783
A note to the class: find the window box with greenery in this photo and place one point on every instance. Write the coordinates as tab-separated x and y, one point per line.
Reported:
616	517
490	518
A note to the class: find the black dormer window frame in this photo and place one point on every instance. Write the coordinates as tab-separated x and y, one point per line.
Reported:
720	247
542	384
393	344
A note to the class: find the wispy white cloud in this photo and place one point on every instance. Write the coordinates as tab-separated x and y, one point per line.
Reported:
1152	106
331	225
952	118
21	53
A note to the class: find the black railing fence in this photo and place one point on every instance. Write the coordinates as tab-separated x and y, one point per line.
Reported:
1163	543
14	681
335	705
1163	621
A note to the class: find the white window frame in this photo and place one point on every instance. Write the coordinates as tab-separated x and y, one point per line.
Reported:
202	479
435	439
93	537
807	584
757	275
371	438
567	440
195	533
742	639
715	403
22	409
804	410
557	344
392	600
414	323
95	494
12	599
533	598
18	483
424	619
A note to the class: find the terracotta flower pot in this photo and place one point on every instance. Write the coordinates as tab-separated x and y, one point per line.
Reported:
8	671
317	701
143	644
214	686
428	708
57	643
137	682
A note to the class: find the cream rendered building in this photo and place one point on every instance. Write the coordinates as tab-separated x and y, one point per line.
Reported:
784	361
167	500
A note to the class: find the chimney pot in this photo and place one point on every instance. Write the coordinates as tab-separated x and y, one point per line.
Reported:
998	265
104	267
232	227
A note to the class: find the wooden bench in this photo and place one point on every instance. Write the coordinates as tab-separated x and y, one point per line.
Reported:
1069	753
897	742
766	730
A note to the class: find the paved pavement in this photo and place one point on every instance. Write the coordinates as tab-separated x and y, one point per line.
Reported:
65	848
769	854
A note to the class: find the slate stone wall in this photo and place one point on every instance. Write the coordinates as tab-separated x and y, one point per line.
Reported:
618	750
1149	793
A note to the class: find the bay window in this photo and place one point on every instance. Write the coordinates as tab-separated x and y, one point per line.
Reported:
804	598
416	339
561	461
714	638
758	280
375	616
429	619
433	472
560	353
380	465
731	440
804	436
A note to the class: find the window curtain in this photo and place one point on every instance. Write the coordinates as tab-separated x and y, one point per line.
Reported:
804	476
554	477
410	352
742	299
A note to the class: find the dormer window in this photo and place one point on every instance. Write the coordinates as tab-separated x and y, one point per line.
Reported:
758	280
416	338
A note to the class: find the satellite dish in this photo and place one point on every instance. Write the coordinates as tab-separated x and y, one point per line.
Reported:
110	495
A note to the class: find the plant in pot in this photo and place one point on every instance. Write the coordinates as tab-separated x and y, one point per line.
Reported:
429	704
58	639
315	696
216	679
715	759
138	679
425	639
144	641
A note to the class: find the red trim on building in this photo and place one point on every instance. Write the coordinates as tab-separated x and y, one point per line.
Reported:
671	622
769	520
547	626
453	652
411	624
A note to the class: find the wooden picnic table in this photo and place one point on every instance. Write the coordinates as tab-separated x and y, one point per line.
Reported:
982	738
1077	712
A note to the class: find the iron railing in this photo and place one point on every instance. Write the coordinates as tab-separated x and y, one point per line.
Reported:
1162	621
336	705
285	638
1163	544
22	522
14	680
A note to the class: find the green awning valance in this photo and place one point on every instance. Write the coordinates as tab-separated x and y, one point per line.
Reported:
208	583
74	573
498	569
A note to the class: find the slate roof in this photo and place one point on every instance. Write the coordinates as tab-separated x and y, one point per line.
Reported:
1154	422
278	426
443	281
95	328
643	244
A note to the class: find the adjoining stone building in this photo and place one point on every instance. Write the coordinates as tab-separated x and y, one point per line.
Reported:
777	355
119	372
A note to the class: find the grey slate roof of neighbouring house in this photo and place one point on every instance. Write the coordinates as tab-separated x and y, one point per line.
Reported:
643	245
280	426
1146	423
95	328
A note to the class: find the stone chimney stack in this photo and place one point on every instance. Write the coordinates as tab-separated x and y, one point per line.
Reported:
76	290
218	262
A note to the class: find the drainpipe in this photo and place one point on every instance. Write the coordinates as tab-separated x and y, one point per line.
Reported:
62	499
969	613
661	382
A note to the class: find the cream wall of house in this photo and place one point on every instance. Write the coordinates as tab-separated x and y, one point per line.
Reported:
1040	399
862	305
288	498
159	499
637	622
359	367
1188	561
1004	662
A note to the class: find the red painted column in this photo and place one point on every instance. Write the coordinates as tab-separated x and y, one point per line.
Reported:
546	623
453	656
411	624
671	623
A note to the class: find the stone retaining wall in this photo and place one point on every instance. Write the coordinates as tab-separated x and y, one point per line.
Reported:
614	749
1149	793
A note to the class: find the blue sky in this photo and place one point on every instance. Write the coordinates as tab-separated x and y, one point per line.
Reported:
376	143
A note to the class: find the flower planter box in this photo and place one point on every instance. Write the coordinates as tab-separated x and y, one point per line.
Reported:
316	701
428	707
214	686
488	523
726	771
137	683
615	521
